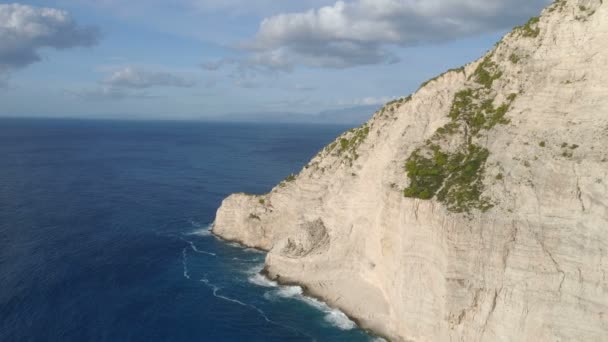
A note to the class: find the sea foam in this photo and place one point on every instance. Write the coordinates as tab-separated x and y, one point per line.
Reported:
201	230
332	316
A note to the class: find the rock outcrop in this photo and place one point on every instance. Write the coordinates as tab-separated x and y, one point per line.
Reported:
475	209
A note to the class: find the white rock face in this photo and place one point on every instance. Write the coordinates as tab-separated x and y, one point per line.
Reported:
532	268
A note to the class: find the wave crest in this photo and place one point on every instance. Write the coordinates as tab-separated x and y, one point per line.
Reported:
201	229
332	316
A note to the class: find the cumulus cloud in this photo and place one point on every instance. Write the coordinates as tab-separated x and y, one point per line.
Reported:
131	77
130	82
364	32
25	30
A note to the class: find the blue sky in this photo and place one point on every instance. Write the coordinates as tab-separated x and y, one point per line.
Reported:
193	59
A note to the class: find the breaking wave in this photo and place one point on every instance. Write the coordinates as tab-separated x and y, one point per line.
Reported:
332	316
201	229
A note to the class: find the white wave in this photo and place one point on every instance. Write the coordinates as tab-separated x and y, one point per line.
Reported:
201	230
255	269
200	251
235	245
262	281
256	278
253	250
290	292
185	263
332	316
338	319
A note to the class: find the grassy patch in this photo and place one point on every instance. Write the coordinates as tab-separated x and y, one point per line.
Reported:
514	58
478	114
454	178
487	72
351	144
557	5
529	29
448	129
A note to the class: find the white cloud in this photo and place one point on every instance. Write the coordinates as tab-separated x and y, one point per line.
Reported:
130	82
231	7
364	31
25	30
131	77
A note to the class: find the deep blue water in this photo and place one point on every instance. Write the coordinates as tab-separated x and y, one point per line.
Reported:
102	233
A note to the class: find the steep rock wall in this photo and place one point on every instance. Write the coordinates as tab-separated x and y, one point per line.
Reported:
530	266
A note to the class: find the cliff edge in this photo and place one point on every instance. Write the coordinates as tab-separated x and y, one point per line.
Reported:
475	209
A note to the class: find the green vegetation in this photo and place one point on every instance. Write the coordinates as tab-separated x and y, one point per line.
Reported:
290	178
455	178
514	58
427	173
399	101
448	129
487	72
478	114
392	105
499	176
357	137
542	144
254	217
529	29
463	189
424	84
574	146
587	12
557	5
262	201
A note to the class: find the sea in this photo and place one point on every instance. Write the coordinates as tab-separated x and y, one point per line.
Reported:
104	233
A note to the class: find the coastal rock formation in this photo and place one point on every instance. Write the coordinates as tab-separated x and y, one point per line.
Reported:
475	209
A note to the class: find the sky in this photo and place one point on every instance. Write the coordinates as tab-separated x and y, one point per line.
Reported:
196	59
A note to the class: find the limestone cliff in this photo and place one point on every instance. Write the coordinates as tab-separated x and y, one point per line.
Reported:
475	209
